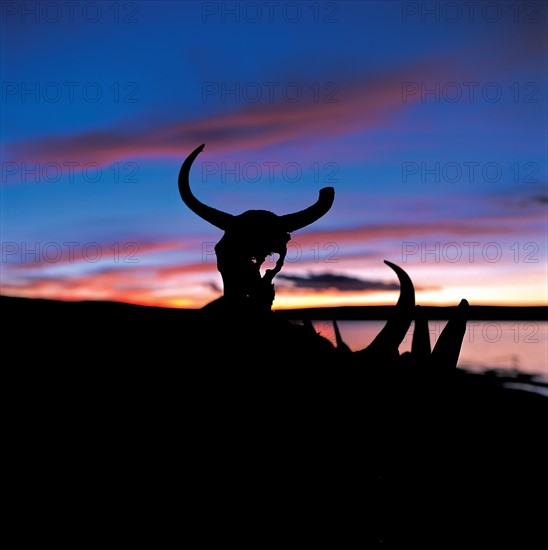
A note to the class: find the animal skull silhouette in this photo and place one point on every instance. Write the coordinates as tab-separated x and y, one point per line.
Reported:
249	238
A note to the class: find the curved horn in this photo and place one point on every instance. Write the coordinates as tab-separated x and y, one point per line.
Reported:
215	217
396	328
298	220
447	349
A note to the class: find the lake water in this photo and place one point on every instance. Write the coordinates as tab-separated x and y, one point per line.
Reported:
513	346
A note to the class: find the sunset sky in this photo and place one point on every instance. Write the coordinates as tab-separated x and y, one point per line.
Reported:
429	120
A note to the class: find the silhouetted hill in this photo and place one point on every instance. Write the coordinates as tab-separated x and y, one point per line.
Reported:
135	403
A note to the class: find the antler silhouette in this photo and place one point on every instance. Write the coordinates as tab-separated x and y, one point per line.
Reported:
385	345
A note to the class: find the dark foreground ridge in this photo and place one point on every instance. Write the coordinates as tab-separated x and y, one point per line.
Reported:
340	313
141	419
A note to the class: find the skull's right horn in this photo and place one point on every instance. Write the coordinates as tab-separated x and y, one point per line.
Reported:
218	218
309	215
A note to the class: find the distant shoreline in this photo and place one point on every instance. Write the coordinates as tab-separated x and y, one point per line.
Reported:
339	313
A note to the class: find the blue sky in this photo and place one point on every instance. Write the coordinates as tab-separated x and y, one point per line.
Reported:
429	120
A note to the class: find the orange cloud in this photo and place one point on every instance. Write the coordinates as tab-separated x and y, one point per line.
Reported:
139	285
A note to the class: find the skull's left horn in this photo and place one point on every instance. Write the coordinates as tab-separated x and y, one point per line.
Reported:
216	217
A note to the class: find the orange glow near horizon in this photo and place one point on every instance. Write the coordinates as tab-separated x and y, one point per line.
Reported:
164	281
475	295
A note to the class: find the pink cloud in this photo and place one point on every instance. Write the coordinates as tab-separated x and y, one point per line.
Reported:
376	232
186	284
362	105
